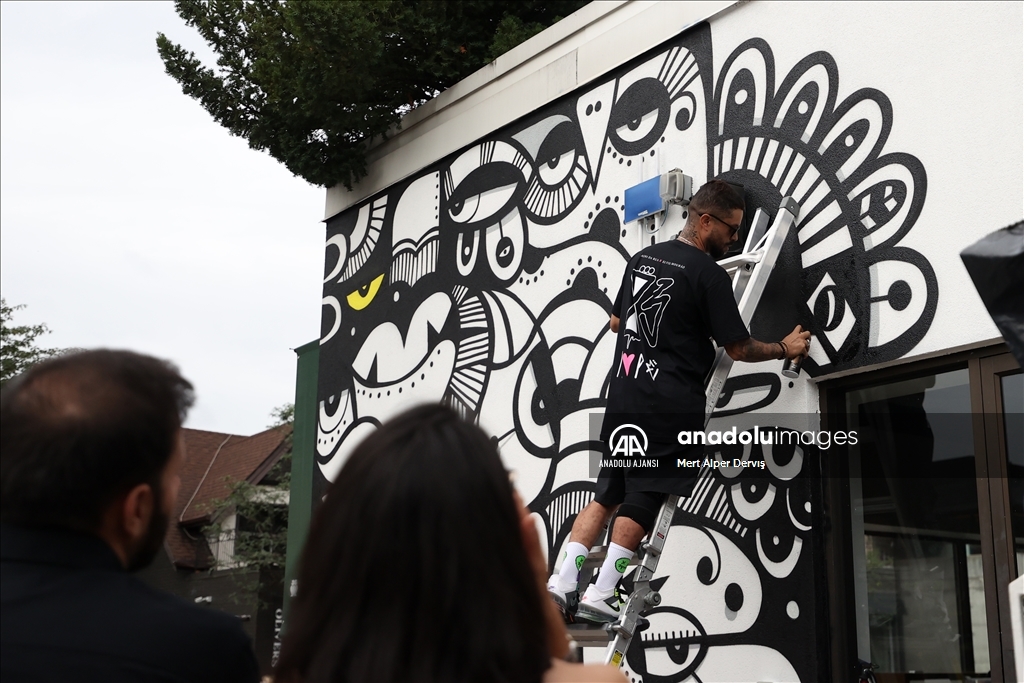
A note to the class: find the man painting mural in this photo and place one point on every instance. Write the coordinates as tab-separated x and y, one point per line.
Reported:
673	299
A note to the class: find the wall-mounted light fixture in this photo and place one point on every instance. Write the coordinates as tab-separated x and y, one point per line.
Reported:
675	187
653	197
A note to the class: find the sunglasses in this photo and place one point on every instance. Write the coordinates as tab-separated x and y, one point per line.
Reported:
733	229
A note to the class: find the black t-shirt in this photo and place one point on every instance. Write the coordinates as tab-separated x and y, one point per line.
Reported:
673	299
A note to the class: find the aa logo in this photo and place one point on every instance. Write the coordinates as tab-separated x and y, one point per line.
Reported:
580	559
621	564
628	440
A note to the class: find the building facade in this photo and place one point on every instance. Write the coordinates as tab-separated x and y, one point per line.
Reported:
198	560
477	262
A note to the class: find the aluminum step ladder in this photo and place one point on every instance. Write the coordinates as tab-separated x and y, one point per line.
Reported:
749	271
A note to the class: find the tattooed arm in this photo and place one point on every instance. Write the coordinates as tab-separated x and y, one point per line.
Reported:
751	350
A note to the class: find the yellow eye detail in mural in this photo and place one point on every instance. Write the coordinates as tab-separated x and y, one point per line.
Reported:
362	297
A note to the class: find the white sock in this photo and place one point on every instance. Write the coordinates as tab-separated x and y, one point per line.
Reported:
569	574
614	567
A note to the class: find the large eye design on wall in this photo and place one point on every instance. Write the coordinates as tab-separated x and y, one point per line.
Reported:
832	313
485	194
363	297
829	309
556	147
558	154
639	117
505	241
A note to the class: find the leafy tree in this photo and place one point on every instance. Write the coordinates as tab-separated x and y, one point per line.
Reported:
261	519
283	415
18	349
313	81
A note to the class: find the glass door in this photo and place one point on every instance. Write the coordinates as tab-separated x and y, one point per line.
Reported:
916	536
1001	395
927	512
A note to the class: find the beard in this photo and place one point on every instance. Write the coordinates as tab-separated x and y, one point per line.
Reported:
149	545
717	249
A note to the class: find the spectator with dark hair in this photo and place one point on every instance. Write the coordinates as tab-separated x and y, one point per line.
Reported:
422	565
672	301
90	450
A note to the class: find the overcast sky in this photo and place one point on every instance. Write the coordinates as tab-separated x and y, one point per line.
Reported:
130	219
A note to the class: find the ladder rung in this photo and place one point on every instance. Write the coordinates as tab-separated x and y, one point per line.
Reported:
734	263
589	636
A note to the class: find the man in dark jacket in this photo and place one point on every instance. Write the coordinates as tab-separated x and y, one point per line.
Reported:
90	451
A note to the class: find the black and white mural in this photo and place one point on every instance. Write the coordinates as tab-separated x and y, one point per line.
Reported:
486	282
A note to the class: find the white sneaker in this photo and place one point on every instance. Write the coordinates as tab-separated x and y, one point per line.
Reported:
599	607
566	596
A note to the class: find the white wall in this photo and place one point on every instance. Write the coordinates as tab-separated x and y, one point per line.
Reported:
953	73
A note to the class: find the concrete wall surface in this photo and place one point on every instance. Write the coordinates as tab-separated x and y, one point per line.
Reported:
484	277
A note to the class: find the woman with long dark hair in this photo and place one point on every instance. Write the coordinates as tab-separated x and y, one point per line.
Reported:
422	566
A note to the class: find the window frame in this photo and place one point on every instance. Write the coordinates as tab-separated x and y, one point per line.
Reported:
986	366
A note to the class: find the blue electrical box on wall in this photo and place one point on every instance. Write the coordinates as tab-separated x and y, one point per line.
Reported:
643	200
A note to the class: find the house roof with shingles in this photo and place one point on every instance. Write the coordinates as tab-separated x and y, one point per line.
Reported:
213	460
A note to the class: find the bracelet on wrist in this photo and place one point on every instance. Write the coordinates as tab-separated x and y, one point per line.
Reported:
784	348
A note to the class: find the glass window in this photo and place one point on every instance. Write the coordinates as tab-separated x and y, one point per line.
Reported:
918	579
1012	390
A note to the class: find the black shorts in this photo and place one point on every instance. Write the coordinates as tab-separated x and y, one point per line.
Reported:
640	506
641	492
613	483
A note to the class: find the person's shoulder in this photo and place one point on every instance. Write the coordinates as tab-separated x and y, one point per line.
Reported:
102	620
565	672
692	254
680	252
192	625
660	248
146	597
709	270
175	612
670	253
212	639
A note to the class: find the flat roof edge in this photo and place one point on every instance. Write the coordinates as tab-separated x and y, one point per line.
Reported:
567	55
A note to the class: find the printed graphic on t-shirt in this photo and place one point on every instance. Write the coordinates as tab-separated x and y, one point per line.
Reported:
629	362
650	299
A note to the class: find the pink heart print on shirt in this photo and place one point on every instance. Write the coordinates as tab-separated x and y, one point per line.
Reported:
627	360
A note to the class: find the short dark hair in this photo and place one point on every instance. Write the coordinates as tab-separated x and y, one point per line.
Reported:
414	568
81	429
716	196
